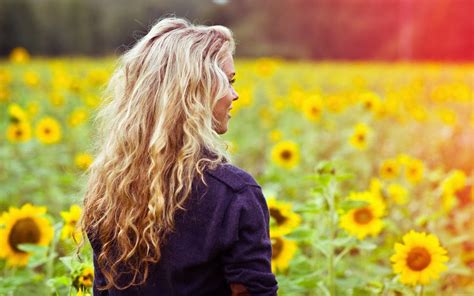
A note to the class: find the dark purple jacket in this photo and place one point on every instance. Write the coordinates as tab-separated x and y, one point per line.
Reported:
222	239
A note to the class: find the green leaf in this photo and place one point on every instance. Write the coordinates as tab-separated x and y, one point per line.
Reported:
32	248
307	281
318	191
301	234
38	254
325	167
315	206
324	289
67	261
458	240
58	282
460	270
10	284
343	241
344	177
366	246
323	246
349	204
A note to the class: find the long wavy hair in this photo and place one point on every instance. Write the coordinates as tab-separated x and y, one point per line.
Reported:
155	137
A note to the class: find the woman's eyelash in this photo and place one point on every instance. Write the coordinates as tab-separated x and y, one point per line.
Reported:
232	81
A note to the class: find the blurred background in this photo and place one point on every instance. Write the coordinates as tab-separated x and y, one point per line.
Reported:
355	116
309	29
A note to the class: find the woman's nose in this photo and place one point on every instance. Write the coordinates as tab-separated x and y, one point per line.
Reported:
235	95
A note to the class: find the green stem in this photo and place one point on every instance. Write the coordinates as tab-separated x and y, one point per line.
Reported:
342	254
421	290
314	252
51	251
332	213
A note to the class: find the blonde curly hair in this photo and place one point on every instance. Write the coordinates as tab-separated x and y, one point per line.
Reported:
155	137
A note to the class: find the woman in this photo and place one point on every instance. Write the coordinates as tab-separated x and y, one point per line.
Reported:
164	211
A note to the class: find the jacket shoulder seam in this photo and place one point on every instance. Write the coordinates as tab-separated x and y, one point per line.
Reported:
233	180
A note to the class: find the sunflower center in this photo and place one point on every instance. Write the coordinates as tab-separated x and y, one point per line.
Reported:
363	216
277	247
72	223
361	137
413	171
277	215
47	130
285	154
315	110
418	259
86	279
18	133
25	231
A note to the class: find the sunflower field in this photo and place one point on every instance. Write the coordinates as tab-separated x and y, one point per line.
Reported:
367	169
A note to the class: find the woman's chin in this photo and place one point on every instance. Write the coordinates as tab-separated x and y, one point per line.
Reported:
221	131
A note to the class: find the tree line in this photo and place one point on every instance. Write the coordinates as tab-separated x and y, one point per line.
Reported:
309	29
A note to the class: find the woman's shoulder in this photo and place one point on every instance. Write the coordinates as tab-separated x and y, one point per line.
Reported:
232	176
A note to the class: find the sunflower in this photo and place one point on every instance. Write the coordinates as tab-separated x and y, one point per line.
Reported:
283	250
358	138
334	103
420	259
265	67
296	96
56	99
365	220
280	104
232	147
17	114
19	132
4	94
26	225
81	292
370	101
77	117
312	108
84	279
33	108
70	218
414	170
75	86
245	99
92	100
19	55
286	154
419	113
275	135
389	169
48	130
376	187
467	255
455	181
83	160
98	77
403	159
31	79
283	219
448	117
266	116
397	193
